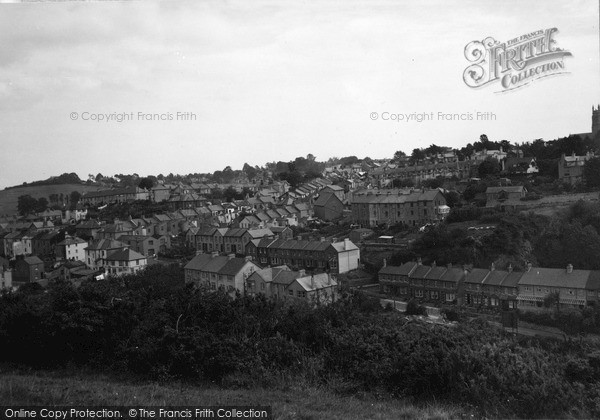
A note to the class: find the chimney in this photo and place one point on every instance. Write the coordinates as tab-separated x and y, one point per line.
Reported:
215	253
312	282
449	265
493	267
301	273
433	264
230	256
385	262
199	252
510	268
346	243
569	268
334	240
248	258
322	239
419	261
529	267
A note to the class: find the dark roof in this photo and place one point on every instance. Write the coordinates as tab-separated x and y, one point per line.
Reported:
404	270
555	277
495	277
453	274
476	275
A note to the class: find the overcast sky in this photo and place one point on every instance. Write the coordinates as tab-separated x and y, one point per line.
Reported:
269	81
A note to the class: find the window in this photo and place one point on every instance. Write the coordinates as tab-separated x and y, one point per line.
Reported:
419	293
291	292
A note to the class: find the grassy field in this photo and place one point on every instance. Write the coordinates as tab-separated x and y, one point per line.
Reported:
8	198
289	402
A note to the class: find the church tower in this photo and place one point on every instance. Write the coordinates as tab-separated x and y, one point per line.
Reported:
595	120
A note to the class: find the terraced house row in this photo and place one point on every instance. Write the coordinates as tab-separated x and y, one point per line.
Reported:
491	288
333	256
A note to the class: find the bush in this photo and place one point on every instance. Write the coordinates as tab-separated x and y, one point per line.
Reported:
413	308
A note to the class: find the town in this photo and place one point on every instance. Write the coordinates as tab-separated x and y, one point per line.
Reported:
306	230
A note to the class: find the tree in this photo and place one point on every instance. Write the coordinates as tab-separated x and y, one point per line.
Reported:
146	183
249	171
399	155
591	172
417	156
26	204
75	196
42	205
488	167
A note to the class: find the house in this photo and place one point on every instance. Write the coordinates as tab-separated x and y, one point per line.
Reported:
97	251
336	257
413	280
281	282
116	195
336	190
570	168
146	245
124	261
328	206
213	271
27	270
504	196
87	229
43	244
570	284
283	232
71	248
372	208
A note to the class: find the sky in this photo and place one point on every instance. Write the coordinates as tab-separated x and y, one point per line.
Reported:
258	82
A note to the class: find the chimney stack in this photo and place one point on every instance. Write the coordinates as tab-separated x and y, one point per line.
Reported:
510	268
449	265
248	258
301	273
433	264
312	282
385	262
569	268
493	267
419	261
346	243
529	267
215	253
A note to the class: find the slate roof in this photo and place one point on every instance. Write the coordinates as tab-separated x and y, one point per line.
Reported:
403	270
316	282
555	277
125	254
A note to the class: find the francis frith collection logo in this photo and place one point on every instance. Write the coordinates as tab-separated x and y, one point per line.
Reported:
514	63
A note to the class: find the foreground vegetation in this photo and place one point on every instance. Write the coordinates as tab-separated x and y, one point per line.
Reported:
288	401
153	326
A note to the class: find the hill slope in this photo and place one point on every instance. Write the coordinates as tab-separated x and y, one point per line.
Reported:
9	198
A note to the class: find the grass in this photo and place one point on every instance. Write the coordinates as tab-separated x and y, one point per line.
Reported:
9	198
288	402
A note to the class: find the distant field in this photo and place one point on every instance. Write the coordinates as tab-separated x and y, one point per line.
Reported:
288	402
8	198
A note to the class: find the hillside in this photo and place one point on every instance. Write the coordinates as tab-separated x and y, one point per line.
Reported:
9	197
288	402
